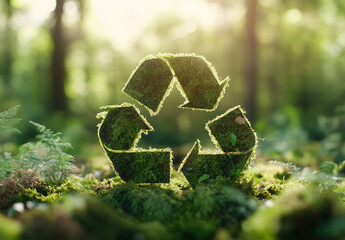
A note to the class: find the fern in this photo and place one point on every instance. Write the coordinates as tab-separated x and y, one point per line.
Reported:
7	165
56	164
8	123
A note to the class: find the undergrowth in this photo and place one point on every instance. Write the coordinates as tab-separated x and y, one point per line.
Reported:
262	203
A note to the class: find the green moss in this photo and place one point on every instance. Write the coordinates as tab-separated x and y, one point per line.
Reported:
301	214
145	203
222	205
235	140
9	229
149	83
199	83
50	193
144	166
213	165
118	134
232	123
121	127
86	218
152	81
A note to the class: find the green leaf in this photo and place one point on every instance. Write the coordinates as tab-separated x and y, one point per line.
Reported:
233	139
327	167
9	121
203	178
238	172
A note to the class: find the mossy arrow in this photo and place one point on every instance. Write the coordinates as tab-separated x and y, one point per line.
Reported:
196	79
118	133
205	167
201	85
235	141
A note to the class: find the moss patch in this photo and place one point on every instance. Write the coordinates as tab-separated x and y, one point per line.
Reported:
235	141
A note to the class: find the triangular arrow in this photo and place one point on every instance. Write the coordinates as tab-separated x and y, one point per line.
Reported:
151	82
199	83
118	133
235	140
202	167
122	127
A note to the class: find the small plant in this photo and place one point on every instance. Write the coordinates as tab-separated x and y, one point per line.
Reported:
47	157
52	163
8	123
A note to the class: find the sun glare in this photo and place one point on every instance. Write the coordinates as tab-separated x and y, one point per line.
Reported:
124	21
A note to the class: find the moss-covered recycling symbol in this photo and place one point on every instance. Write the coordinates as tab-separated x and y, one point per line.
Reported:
149	84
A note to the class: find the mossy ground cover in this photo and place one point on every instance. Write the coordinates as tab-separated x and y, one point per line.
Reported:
266	193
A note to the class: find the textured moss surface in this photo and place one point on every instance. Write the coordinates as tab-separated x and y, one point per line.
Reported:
118	133
205	168
149	83
121	127
197	80
232	124
142	166
233	136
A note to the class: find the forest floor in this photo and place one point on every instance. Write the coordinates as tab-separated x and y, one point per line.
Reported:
270	200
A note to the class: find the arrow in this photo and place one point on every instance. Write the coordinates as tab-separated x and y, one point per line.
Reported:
235	141
149	83
152	81
119	132
229	126
199	82
206	167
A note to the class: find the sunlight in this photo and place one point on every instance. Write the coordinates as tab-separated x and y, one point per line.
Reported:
293	16
39	10
124	21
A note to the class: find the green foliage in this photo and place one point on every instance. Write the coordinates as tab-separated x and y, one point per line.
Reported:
53	164
233	139
7	165
47	156
8	125
9	121
333	145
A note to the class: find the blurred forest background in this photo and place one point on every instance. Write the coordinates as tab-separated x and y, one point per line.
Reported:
63	59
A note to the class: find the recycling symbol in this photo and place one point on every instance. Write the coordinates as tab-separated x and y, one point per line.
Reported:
150	83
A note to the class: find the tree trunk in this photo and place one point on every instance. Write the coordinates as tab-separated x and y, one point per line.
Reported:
58	70
8	57
251	75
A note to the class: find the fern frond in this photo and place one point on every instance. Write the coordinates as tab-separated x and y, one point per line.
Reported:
9	121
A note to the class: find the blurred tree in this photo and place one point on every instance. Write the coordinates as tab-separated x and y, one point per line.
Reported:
7	47
251	75
58	94
62	38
